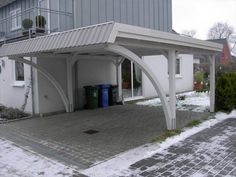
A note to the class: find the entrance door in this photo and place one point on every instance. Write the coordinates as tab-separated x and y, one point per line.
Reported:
131	80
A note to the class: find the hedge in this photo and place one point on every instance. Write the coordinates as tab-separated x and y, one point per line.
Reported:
226	92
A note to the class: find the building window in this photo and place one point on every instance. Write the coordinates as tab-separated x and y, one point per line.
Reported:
15	19
19	72
177	66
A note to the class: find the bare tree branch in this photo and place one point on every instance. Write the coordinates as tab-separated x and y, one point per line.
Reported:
220	31
190	33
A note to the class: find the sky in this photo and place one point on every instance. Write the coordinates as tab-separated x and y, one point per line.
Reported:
201	15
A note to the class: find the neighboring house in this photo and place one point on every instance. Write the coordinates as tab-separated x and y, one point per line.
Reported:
222	58
225	56
60	15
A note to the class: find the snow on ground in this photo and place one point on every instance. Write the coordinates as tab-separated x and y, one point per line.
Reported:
194	101
16	162
119	165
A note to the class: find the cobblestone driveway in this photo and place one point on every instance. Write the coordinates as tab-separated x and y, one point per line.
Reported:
211	152
120	128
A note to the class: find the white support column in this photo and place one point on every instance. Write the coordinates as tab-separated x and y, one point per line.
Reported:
70	84
172	92
119	78
212	83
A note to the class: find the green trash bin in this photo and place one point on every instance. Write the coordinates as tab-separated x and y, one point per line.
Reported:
91	97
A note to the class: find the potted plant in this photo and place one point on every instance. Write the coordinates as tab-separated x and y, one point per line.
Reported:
198	84
26	24
40	23
126	81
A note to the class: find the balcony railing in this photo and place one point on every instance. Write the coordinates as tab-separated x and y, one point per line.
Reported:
33	22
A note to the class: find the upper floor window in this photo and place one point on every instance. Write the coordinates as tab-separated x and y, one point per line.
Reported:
15	19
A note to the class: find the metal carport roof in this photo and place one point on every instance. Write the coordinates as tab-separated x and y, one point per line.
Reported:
144	41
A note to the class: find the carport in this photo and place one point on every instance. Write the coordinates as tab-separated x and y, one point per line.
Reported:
118	42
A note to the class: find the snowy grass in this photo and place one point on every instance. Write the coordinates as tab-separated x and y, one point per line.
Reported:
166	135
16	162
194	123
194	101
119	165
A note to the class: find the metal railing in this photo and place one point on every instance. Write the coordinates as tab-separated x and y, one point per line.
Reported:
34	22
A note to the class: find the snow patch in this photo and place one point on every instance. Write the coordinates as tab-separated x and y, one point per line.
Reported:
119	165
15	162
199	100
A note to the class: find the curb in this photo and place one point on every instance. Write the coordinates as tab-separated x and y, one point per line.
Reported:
14	120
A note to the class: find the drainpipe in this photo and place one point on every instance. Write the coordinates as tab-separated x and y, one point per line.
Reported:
32	88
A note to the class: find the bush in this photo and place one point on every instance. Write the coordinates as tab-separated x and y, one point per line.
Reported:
12	113
27	23
2	108
226	92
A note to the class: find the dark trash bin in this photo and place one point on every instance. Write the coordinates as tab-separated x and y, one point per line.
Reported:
91	97
103	95
113	95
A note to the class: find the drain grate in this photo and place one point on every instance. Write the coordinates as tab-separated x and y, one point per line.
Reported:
91	132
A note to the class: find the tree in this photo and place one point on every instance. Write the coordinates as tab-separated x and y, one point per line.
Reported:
232	41
223	31
220	31
190	33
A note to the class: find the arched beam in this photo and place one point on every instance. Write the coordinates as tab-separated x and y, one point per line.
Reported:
140	63
50	78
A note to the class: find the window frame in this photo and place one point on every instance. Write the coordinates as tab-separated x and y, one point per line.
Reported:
178	67
15	16
18	83
177	75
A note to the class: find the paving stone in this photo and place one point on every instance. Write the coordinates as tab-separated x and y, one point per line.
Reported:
143	168
144	174
233	173
209	153
166	174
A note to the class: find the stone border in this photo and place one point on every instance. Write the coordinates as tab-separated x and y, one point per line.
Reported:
15	120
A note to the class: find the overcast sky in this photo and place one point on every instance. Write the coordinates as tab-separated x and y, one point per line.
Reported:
200	15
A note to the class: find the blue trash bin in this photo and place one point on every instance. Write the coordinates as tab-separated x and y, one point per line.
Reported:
104	95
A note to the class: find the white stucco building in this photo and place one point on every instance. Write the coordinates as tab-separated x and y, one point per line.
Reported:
64	61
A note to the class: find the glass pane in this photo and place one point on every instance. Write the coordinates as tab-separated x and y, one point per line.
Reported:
137	80
126	79
13	22
178	66
18	19
19	71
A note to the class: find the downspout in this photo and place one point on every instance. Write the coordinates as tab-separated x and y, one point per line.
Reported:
32	88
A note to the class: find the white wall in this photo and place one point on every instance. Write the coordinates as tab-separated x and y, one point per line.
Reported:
90	72
49	99
12	95
159	65
94	72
